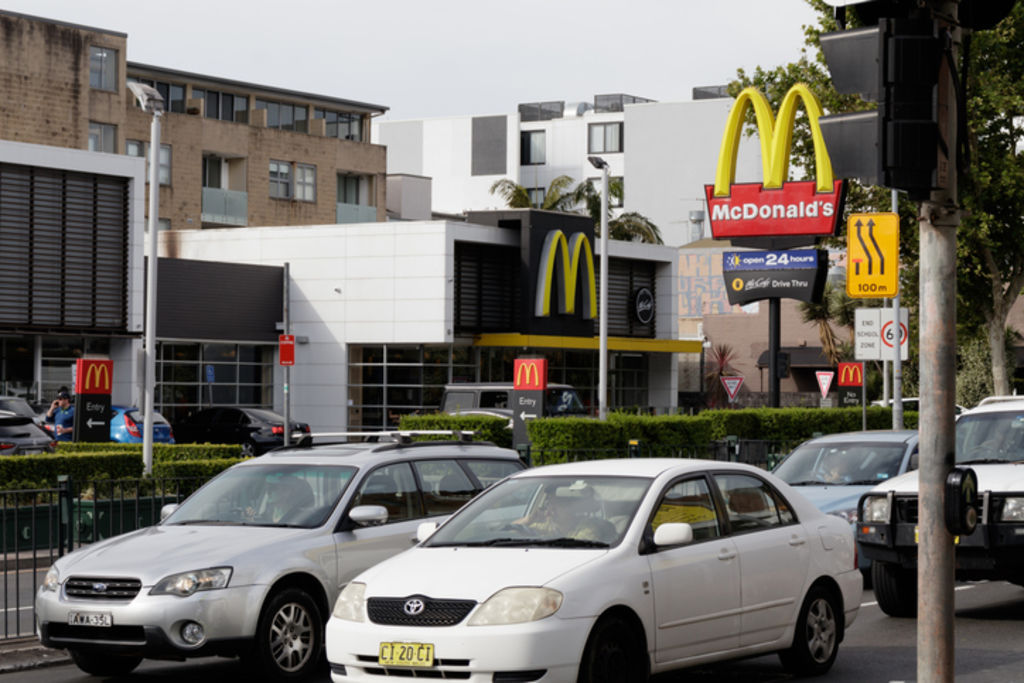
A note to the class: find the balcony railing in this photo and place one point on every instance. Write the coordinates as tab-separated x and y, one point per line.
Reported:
355	213
225	207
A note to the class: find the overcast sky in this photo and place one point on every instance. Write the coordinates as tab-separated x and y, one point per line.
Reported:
452	57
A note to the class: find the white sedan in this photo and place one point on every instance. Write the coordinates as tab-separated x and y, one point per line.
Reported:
608	570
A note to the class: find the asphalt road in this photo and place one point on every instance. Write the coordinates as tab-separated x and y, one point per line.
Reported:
989	617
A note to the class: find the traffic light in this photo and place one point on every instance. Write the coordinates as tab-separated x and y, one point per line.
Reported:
782	367
896	64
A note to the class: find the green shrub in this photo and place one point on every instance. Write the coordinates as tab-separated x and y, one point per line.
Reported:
161	451
205	469
484	427
41	471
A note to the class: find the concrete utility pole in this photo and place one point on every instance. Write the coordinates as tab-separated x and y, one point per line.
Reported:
939	218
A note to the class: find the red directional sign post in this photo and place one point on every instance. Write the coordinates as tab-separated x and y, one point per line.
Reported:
286	349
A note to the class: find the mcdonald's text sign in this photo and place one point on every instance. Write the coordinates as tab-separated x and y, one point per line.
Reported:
851	374
531	374
775	207
93	376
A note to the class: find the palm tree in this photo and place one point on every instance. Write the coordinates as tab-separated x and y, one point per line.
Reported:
556	198
630	226
820	313
719	366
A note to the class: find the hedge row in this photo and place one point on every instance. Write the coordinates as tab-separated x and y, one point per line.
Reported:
41	471
484	427
162	452
185	469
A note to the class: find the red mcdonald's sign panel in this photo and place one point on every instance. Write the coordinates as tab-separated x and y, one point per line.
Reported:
93	376
531	374
851	374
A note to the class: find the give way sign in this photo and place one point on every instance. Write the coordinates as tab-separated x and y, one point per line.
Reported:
732	386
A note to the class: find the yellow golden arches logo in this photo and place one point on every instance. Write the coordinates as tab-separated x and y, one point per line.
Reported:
776	138
572	251
737	284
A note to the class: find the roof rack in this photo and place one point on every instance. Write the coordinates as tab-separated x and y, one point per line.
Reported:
989	400
399	435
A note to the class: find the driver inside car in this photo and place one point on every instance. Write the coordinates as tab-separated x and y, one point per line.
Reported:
569	515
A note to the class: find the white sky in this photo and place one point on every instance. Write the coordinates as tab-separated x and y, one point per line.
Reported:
426	58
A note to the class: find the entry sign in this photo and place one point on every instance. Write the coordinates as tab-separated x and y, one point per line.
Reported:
824	381
93	384
286	349
872	255
529	382
732	386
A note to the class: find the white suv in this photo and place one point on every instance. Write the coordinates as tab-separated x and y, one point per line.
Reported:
989	440
251	563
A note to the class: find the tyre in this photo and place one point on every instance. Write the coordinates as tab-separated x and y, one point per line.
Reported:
615	653
248	449
895	589
816	638
101	664
289	638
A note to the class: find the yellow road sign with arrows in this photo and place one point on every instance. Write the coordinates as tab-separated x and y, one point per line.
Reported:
872	255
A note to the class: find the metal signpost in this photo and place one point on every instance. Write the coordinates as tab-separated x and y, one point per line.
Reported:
529	384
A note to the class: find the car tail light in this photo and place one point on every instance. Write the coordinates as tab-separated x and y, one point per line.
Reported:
5	445
305	428
277	430
53	445
132	428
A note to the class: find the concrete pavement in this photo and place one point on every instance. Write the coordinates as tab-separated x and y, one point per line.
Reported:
26	653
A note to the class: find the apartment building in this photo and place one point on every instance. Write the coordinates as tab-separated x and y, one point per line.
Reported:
232	153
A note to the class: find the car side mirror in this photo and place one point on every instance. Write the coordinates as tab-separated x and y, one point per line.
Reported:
368	515
168	510
673	533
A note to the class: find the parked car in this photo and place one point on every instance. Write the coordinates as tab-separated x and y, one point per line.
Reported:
251	563
20	435
256	429
913	404
127	424
607	570
989	440
18	406
495	398
834	471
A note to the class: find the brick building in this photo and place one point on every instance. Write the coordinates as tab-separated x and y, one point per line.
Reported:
232	153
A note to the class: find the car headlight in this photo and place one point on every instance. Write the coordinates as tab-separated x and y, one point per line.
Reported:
52	580
849	515
1013	510
187	583
516	606
876	509
351	603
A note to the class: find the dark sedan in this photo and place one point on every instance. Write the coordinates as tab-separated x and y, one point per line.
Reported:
20	435
255	429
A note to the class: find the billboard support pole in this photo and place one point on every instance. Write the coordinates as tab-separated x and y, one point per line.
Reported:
774	342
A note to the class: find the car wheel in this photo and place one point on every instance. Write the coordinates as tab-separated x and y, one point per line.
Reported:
614	654
816	639
103	664
895	589
289	637
248	449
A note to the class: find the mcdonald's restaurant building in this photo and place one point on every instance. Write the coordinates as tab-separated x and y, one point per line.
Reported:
385	314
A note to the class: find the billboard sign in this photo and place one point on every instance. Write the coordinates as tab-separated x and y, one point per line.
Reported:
794	274
775	207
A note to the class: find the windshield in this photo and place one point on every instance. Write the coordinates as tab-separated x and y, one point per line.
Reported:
567	512
845	464
267	495
563	402
988	437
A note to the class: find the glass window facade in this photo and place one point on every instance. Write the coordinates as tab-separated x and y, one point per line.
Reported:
339	124
280	179
532	147
138	148
305	182
102	137
605	138
102	68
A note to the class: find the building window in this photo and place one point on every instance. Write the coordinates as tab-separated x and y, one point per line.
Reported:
102	68
102	137
605	138
536	196
285	116
280	179
173	94
615	199
341	124
163	224
137	148
305	182
223	105
531	147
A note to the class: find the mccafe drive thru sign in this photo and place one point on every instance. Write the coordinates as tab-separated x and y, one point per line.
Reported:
747	213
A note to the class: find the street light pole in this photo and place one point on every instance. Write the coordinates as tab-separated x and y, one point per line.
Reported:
602	361
153	102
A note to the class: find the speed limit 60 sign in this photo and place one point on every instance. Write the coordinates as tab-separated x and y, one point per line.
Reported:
875	334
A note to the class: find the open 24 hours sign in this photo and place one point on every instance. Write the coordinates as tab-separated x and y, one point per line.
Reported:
790	274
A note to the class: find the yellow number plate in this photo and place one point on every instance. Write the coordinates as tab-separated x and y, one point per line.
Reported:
956	539
406	654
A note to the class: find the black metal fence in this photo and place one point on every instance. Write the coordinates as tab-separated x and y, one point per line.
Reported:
39	525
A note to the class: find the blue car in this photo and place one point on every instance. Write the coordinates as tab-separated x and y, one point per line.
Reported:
126	425
834	471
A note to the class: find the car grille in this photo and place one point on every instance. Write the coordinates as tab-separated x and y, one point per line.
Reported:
391	611
906	510
100	588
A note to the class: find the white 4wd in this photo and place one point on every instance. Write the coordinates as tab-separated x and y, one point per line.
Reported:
989	440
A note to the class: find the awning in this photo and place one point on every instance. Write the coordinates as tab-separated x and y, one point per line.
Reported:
799	357
547	341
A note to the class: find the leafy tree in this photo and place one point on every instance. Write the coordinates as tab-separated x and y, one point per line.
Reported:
558	196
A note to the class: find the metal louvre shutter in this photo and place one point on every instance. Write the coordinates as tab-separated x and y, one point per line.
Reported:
486	288
63	250
625	277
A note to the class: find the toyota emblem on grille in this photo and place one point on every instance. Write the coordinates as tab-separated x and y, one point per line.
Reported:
413	607
99	587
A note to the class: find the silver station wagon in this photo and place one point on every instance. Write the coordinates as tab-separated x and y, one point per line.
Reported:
250	564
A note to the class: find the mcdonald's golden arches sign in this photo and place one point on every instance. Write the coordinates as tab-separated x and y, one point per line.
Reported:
775	207
851	374
531	374
93	376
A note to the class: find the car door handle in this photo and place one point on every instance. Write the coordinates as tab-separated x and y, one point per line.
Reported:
726	554
797	540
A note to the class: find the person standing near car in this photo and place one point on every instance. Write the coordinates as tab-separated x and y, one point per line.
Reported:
62	415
